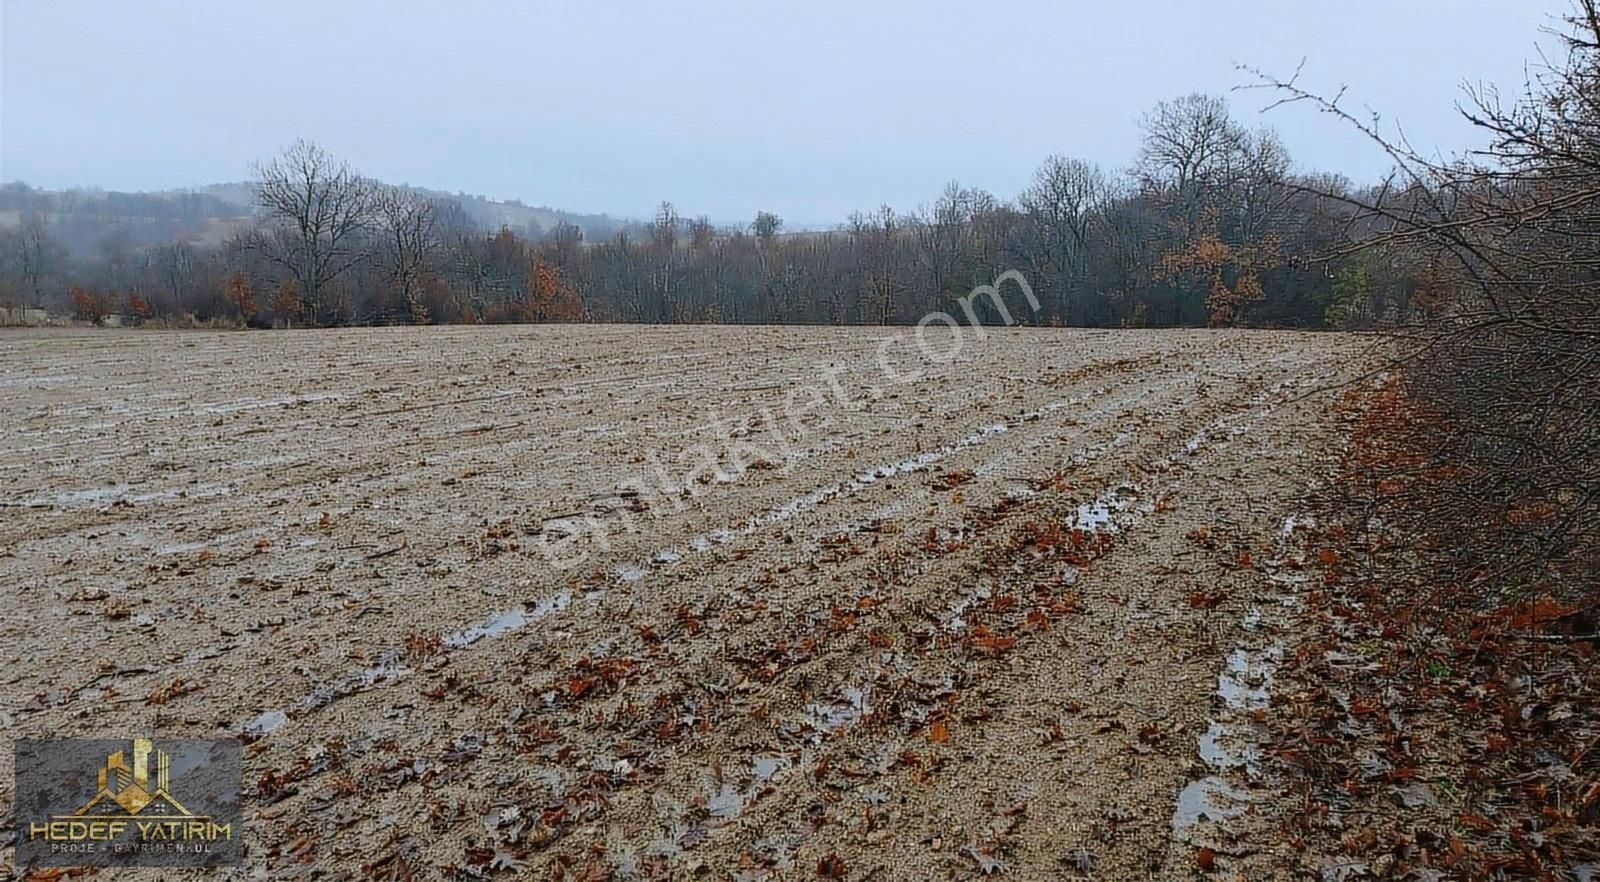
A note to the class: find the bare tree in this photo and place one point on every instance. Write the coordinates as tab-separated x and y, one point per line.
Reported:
1503	345
37	255
766	227
1063	202
406	222
174	269
944	237
565	241
664	259
1187	140
881	277
319	208
1259	184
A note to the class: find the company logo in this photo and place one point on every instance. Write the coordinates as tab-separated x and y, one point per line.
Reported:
128	804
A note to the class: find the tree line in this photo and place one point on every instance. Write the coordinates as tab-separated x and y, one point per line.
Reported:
1496	493
1211	225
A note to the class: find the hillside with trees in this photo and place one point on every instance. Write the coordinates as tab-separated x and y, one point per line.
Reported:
1211	225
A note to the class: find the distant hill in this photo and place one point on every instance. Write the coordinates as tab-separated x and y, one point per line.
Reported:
90	221
489	214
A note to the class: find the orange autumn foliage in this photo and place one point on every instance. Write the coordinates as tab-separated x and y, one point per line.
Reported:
240	293
550	299
1232	275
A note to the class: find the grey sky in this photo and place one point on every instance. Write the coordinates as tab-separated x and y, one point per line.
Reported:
810	109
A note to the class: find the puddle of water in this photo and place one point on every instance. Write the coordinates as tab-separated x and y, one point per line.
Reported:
920	462
726	803
390	668
1295	522
39	381
265	725
212	542
847	711
729	801
261	403
98	496
92	496
792	508
1093	516
1105	513
802	504
502	623
1246	683
1224	747
1209	799
766	767
714	538
917	463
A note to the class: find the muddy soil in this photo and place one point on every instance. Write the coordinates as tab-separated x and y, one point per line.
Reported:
648	602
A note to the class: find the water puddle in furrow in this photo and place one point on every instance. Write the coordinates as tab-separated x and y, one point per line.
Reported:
1232	745
245	404
801	504
911	465
725	796
391	666
848	709
728	800
98	497
1108	512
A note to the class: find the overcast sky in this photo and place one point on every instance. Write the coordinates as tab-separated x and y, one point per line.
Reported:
811	109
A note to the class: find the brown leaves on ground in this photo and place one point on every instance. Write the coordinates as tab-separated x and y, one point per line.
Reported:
1451	715
173	689
1201	599
1541	614
832	867
990	643
591	674
951	480
422	645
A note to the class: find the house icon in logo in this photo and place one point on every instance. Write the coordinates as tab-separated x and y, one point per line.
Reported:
108	802
136	788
